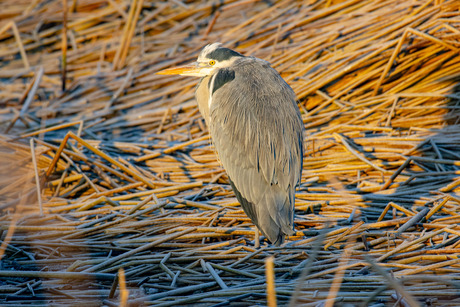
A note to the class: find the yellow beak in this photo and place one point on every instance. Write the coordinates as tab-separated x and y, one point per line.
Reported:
187	70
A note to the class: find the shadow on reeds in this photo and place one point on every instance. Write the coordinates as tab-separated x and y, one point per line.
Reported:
453	103
434	158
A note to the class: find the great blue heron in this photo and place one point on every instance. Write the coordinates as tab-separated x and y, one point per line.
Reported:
257	130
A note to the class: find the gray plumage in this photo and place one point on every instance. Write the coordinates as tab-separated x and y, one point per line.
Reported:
257	130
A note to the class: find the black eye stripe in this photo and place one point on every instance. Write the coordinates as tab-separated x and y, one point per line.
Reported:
222	54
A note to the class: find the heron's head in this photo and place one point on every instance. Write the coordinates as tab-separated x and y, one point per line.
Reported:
212	58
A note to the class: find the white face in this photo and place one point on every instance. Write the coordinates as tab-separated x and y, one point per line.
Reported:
205	64
208	66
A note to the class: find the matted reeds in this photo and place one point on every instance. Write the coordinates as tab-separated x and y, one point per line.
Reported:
134	205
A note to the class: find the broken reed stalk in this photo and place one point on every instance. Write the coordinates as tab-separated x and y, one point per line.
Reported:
30	96
59	275
20	44
270	276
124	292
128	32
98	152
37	176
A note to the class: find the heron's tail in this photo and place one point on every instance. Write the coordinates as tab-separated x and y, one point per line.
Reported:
273	216
276	218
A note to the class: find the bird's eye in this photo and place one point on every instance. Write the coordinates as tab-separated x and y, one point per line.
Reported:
212	62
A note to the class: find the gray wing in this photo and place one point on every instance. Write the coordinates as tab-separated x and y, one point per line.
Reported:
257	130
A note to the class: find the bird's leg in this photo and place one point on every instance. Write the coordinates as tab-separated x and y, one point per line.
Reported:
256	237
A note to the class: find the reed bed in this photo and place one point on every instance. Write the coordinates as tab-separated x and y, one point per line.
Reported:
111	192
